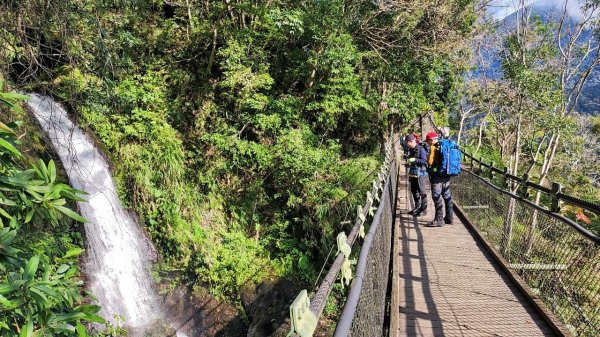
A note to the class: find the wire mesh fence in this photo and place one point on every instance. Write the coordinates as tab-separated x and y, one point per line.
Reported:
305	314
364	311
390	167
559	262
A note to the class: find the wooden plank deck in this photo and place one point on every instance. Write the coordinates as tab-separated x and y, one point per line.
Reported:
446	284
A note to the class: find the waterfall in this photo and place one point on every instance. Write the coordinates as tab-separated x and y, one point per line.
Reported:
118	256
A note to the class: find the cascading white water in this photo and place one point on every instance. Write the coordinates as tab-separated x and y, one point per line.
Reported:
118	255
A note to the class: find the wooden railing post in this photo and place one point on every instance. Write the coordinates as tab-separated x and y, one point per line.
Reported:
524	189
556	189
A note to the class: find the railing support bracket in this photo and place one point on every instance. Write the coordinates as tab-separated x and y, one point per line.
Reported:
304	322
344	247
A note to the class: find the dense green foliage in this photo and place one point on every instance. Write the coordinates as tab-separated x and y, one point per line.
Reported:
242	133
40	290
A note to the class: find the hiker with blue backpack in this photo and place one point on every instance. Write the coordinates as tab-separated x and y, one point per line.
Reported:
417	174
444	162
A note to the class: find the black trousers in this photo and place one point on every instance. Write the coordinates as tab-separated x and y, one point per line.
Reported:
418	190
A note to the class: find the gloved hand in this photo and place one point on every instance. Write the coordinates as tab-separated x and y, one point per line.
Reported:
411	159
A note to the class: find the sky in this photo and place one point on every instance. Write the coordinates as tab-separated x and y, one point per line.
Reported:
499	9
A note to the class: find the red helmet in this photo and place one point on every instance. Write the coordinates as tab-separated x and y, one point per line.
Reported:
431	135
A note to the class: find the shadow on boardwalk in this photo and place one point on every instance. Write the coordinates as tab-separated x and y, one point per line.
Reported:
415	279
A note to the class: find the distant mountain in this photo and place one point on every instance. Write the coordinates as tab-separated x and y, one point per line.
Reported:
589	101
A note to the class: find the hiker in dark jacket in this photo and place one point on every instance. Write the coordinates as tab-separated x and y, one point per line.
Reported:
440	185
417	175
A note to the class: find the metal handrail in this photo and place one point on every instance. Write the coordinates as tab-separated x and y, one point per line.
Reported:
583	231
523	181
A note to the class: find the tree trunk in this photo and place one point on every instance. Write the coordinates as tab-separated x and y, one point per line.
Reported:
230	11
511	210
533	225
190	19
313	73
548	158
461	124
460	128
480	138
518	146
509	219
213	50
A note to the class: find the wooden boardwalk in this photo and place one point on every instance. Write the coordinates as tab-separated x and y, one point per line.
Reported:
446	284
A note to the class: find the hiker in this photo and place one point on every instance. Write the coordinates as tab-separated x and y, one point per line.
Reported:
417	174
440	184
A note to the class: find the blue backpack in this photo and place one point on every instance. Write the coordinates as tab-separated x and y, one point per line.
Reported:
449	164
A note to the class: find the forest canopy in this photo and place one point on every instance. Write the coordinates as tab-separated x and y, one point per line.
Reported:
241	132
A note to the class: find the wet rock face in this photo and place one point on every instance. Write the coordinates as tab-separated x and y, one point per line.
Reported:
157	328
200	315
268	305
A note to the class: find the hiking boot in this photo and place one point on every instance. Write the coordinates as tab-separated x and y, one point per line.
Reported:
449	221
415	210
422	210
435	223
